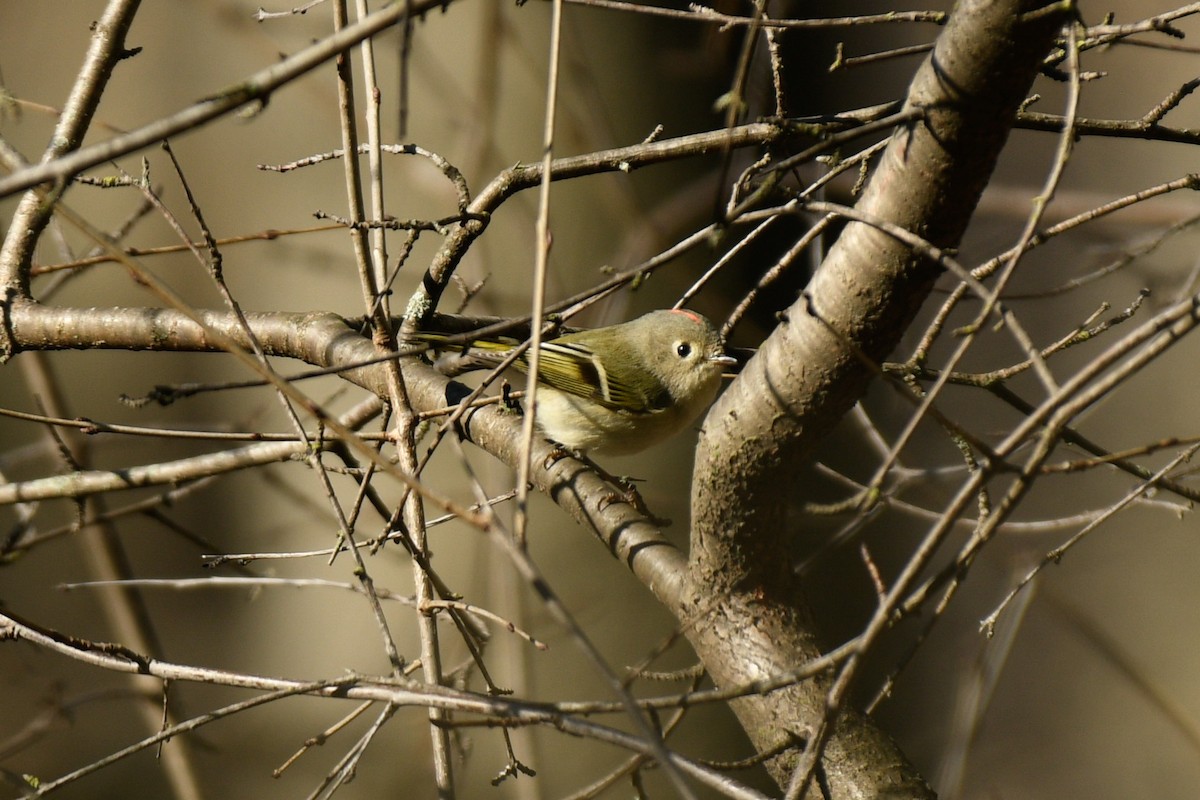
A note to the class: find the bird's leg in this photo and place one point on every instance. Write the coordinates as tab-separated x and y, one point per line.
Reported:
629	494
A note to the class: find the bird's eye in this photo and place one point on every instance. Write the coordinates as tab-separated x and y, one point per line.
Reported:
683	349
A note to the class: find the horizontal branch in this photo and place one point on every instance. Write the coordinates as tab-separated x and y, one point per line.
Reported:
326	340
511	712
169	473
1115	128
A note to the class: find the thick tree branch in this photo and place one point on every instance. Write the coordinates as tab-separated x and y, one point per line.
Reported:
811	371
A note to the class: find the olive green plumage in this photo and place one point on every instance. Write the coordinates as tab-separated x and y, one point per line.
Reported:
621	388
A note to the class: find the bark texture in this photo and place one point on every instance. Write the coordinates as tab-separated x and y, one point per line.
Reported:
744	602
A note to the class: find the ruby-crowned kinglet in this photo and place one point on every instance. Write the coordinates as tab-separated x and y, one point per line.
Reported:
621	388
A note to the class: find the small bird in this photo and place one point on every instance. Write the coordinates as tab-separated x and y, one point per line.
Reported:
622	388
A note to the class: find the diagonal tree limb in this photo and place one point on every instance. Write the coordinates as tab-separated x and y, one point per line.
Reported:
811	371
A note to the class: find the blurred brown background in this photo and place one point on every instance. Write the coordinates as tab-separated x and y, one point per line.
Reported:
1114	624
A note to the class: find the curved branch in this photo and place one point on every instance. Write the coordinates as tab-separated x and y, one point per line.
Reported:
326	340
106	50
527	176
830	131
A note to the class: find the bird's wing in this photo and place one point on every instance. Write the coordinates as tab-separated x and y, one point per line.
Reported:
575	369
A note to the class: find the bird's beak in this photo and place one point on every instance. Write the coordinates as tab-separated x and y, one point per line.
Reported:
723	360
